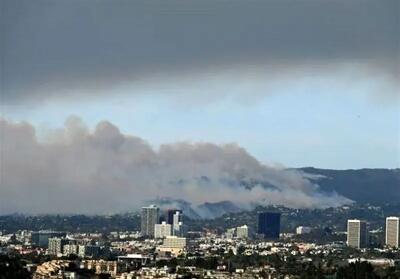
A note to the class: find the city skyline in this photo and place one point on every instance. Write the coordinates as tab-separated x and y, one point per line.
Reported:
199	139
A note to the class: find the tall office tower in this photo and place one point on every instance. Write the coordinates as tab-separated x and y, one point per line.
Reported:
170	215
356	233
393	232
269	224
162	230
177	223
148	220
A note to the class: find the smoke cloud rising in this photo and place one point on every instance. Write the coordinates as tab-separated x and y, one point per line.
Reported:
78	170
58	49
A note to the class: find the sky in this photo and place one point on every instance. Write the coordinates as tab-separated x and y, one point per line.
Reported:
298	83
291	83
296	128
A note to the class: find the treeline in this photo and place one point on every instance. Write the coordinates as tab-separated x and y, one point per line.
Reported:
74	223
12	268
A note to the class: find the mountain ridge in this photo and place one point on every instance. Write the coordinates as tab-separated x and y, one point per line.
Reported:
360	185
366	185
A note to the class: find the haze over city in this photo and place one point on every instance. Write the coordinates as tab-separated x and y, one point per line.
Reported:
112	106
207	139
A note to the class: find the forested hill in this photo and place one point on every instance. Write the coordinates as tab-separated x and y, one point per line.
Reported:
363	185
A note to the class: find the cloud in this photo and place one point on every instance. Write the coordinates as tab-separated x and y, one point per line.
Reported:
77	170
63	49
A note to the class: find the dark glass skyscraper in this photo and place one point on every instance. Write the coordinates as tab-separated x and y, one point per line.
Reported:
269	224
170	215
41	238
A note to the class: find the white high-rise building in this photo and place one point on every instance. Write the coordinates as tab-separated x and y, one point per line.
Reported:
356	233
177	224
242	231
56	245
162	230
393	232
149	218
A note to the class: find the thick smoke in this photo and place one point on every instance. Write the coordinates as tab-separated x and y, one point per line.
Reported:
53	49
102	171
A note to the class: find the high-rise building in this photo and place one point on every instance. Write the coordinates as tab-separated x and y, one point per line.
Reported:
177	223
356	233
162	230
269	224
149	218
56	245
238	232
393	232
170	215
242	232
41	238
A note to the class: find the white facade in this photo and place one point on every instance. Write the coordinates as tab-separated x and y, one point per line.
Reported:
70	249
173	245
162	230
242	231
81	251
393	232
56	245
303	230
174	242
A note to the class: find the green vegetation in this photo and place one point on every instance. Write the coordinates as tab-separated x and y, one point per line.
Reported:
73	223
12	268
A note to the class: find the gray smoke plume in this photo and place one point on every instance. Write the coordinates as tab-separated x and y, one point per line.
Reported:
63	49
76	170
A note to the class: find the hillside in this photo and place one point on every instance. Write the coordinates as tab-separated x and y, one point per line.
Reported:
363	185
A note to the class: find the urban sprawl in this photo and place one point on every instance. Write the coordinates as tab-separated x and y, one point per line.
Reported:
166	247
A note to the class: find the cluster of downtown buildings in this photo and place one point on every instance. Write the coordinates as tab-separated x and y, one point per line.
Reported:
169	228
156	225
171	224
164	236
